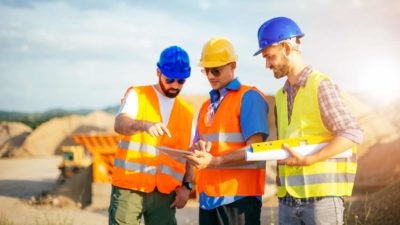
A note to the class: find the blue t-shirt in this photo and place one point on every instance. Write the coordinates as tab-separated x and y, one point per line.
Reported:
253	120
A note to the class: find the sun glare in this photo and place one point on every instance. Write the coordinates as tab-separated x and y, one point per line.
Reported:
380	80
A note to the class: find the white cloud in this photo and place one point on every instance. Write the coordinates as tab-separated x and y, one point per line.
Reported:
60	51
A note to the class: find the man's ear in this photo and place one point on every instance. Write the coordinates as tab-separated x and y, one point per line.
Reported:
287	48
158	73
233	65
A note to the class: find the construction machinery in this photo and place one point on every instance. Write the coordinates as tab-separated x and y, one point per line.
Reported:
86	169
74	160
102	148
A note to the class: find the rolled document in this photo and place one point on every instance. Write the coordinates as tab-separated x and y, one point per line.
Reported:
273	150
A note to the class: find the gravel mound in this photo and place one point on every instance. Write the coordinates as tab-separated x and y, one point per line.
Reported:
12	136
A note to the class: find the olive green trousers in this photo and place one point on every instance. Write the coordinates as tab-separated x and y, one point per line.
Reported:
128	206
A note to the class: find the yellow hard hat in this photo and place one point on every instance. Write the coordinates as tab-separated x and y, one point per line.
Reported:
217	52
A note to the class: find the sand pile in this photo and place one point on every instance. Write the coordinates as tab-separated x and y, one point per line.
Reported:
379	208
50	136
380	166
12	135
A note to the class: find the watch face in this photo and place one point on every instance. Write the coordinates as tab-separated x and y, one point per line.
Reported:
189	185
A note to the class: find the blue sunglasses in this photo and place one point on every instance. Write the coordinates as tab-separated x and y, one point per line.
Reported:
172	80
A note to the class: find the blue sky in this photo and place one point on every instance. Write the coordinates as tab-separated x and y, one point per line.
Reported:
84	54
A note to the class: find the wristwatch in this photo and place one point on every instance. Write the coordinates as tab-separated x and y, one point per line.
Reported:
188	185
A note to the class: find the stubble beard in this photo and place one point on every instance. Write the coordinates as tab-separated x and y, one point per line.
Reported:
281	70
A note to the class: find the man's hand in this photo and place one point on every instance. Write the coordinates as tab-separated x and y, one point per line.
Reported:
202	160
156	129
181	197
294	158
203	146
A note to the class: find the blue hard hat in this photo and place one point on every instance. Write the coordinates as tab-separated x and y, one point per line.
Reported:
276	30
174	63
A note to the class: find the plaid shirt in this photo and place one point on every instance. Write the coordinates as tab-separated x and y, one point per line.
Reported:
335	116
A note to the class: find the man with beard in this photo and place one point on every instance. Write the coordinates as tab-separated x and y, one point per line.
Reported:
310	188
145	181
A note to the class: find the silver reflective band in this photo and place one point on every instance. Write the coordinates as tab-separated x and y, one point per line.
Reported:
171	172
135	166
224	137
135	146
254	165
318	179
352	158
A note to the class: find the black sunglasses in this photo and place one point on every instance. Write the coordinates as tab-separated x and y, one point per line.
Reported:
214	71
169	80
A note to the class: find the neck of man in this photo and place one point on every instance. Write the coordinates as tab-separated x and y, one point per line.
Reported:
296	67
159	89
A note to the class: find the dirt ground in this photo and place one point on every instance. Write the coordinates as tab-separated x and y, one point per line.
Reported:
20	179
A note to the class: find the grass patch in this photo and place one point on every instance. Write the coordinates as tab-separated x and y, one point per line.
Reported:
358	214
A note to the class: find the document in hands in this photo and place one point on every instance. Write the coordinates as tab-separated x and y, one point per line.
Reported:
273	150
174	152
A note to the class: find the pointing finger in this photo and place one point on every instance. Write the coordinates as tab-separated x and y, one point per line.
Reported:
165	129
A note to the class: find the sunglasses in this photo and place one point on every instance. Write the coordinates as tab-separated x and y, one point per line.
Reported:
214	71
172	80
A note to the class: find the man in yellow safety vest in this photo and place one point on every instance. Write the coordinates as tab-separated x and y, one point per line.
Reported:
310	188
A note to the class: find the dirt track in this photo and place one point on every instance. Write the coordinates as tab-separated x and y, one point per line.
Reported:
22	178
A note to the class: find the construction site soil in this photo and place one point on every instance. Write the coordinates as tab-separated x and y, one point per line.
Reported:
29	173
21	179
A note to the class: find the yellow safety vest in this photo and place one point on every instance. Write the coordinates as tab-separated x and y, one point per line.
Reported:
138	165
332	177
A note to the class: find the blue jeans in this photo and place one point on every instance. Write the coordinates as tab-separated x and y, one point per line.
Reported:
328	210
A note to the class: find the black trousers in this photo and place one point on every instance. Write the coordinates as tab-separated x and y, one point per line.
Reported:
246	211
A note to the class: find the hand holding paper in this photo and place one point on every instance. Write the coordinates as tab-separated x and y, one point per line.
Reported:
274	150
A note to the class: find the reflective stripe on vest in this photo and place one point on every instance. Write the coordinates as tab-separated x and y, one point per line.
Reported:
171	172
303	180
141	147
226	136
141	168
137	167
332	177
138	163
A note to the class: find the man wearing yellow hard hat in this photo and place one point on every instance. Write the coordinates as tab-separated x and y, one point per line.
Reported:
234	117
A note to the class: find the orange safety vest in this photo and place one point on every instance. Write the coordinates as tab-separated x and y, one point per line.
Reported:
225	133
138	165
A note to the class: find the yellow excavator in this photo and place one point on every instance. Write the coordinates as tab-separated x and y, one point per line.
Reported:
74	160
86	168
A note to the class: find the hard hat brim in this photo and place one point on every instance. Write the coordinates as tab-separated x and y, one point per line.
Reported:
258	52
175	75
